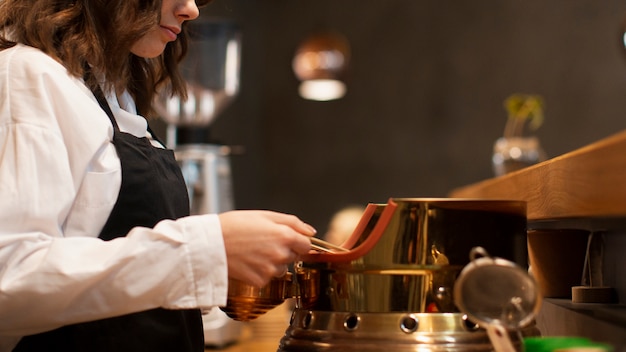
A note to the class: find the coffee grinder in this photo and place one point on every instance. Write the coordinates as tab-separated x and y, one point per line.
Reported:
211	72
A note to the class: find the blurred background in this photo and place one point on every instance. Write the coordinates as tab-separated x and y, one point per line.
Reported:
426	82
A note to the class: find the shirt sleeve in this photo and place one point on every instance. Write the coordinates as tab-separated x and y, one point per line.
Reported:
51	131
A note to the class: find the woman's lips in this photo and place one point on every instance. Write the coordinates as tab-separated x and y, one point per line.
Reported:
170	32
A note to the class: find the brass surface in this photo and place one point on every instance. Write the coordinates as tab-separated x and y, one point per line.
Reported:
314	331
420	231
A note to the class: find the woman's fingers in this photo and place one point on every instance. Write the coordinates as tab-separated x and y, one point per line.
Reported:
260	244
292	221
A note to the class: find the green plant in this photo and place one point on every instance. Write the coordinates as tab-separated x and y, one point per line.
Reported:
523	110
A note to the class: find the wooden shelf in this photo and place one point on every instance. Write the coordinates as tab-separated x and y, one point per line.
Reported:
588	182
583	189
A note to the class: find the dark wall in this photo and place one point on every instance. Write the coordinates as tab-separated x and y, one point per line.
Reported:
425	92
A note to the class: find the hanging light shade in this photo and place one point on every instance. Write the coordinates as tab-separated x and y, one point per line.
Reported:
320	64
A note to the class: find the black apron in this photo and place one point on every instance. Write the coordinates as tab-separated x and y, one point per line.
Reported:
152	189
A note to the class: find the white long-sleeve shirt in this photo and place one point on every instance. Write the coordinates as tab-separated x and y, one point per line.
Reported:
59	179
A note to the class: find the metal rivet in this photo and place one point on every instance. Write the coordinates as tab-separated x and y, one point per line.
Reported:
409	324
351	322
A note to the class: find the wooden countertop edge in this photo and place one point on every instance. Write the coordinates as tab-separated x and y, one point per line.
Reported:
587	182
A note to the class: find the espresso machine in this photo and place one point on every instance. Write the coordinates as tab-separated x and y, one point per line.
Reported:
409	279
211	73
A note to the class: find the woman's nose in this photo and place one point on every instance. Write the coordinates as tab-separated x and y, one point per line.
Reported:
188	10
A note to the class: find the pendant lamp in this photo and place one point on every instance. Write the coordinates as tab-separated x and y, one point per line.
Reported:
320	63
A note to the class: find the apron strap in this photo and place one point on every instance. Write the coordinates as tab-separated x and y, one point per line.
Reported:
97	92
104	104
102	101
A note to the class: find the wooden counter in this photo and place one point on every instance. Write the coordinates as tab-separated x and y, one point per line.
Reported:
262	334
588	182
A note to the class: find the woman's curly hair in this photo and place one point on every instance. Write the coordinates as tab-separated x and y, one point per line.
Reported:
99	34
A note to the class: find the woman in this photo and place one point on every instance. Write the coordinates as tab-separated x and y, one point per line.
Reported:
97	250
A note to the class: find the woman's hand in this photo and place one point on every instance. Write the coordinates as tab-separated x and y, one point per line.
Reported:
260	244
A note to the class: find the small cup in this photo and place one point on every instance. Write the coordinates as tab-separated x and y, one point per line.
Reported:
246	302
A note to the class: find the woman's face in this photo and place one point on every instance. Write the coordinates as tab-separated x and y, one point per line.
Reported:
173	14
